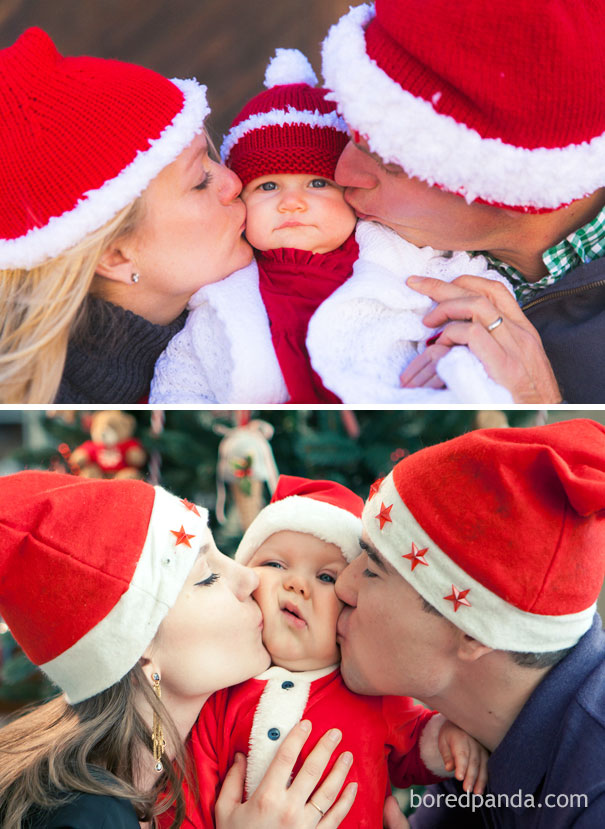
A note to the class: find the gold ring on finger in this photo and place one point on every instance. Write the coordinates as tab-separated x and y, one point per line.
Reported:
321	811
493	325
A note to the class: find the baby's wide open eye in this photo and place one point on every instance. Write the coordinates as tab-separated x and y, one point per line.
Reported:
267	186
327	578
318	183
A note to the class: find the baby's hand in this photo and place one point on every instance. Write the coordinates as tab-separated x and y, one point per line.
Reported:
464	754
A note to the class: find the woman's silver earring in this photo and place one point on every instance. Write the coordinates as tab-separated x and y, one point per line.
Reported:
157	733
135	278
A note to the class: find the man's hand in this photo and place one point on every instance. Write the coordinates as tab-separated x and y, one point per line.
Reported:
512	352
464	755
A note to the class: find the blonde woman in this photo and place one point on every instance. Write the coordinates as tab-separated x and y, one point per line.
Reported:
116	589
113	212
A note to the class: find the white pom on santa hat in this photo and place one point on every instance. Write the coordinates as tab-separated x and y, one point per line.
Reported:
289	66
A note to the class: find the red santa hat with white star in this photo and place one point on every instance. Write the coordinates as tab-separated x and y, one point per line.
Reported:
325	509
501	530
501	103
88	570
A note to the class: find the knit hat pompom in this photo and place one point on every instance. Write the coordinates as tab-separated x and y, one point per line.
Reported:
290	127
289	66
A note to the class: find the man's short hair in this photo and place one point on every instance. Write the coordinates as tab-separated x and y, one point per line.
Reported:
548	659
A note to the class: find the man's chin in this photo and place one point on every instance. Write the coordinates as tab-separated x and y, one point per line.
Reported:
355	682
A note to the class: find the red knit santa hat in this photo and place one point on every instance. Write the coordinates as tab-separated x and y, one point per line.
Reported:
289	128
501	530
81	138
498	102
88	570
325	509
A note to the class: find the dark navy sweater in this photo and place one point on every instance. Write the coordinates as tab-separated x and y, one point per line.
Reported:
554	749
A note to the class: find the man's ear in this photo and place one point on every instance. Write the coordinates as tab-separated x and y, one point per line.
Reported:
469	649
115	264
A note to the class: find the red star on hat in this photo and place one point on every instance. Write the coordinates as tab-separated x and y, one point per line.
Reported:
458	597
384	516
375	487
182	537
191	507
417	556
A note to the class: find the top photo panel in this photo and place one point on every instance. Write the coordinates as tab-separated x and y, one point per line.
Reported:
239	203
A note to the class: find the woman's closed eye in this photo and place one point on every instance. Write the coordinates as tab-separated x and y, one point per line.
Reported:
203	184
213	577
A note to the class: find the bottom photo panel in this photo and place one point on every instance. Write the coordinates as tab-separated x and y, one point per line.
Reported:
373	618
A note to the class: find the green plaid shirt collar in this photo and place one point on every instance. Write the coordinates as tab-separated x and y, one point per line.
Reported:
581	246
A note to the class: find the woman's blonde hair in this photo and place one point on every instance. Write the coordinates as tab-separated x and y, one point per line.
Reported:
55	750
41	307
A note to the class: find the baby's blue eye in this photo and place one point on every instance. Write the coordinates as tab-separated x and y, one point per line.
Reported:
318	183
327	578
268	185
273	564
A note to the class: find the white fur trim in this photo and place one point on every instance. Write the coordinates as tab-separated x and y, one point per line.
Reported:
289	66
490	619
304	515
279	708
110	649
224	353
96	207
429	747
280	118
435	148
386	316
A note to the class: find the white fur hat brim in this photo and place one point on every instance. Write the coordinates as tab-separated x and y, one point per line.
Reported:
300	514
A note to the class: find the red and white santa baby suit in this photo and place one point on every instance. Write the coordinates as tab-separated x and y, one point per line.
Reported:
390	737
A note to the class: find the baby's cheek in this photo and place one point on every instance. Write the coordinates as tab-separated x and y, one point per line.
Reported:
257	232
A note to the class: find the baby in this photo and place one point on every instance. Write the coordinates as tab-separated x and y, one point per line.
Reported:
323	314
284	146
298	545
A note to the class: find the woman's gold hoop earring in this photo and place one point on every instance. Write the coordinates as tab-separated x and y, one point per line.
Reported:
157	733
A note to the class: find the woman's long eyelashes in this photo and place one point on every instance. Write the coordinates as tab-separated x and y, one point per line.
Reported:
209	580
203	184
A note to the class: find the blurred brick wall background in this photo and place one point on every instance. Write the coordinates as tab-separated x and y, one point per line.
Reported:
225	44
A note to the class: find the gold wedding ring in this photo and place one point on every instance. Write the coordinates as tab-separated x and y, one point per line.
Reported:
321	812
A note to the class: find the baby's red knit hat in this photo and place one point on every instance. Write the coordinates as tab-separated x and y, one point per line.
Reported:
288	128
